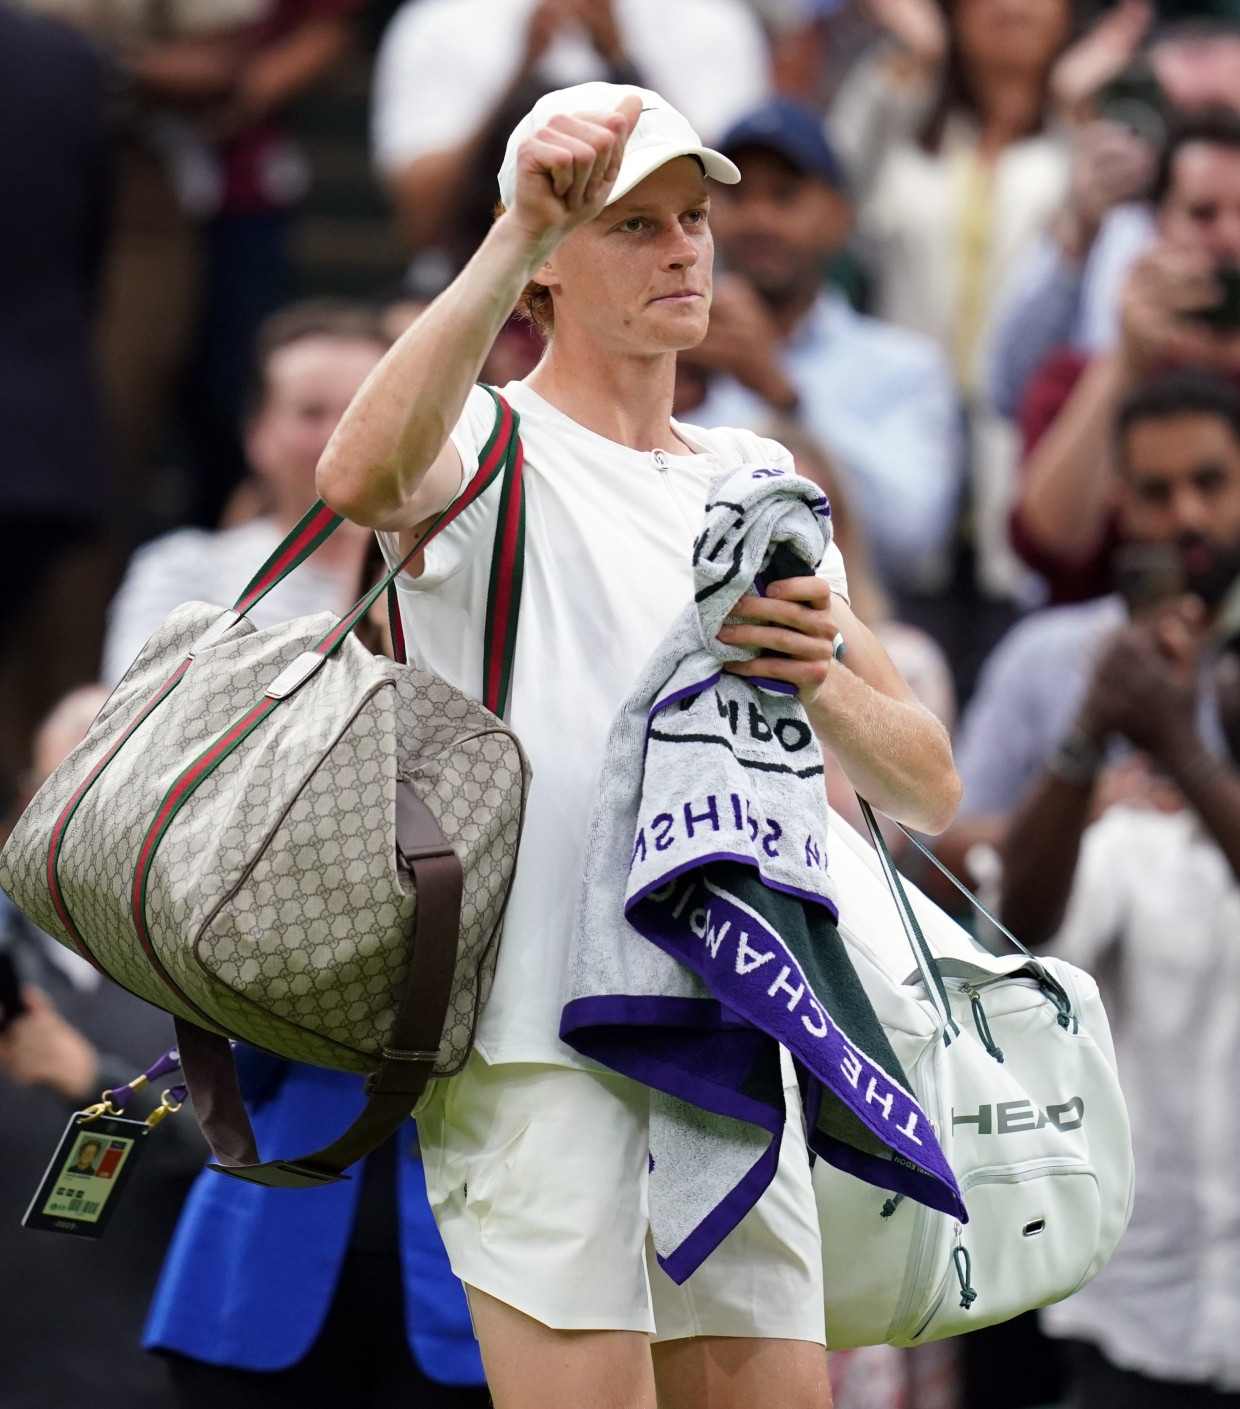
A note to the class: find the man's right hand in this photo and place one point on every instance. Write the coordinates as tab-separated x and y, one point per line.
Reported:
566	169
1144	685
1163	292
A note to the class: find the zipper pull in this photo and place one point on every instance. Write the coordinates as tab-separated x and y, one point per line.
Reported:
964	1271
660	461
979	1018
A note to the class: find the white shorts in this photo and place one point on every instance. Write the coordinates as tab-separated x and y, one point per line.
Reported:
537	1178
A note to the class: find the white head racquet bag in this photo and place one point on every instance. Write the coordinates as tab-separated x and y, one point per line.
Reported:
1012	1060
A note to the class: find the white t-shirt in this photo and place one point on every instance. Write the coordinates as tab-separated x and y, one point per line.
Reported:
444	66
608	549
1155	914
201	565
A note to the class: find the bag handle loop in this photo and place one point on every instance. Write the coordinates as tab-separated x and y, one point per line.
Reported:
927	964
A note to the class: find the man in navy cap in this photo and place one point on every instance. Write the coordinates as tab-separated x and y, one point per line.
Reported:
878	397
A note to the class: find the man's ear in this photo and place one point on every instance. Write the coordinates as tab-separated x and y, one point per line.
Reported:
546	274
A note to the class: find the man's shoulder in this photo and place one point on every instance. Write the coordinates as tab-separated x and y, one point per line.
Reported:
736	445
171	547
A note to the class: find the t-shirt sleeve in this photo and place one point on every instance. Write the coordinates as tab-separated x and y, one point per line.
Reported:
1002	743
449	549
831	569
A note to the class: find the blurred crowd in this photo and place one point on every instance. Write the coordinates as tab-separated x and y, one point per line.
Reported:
981	275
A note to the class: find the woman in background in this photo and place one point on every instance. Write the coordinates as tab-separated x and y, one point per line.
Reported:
957	135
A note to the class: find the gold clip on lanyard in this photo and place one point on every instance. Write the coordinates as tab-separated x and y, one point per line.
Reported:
167	1106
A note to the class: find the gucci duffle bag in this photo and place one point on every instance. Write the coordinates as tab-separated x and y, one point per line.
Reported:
287	841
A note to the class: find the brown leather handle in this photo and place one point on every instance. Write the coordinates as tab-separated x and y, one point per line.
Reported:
409	1057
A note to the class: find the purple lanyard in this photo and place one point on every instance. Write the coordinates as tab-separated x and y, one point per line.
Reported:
115	1101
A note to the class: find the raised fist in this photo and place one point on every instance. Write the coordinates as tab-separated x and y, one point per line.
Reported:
566	169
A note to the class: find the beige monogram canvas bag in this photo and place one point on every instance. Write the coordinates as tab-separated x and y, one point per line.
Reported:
282	839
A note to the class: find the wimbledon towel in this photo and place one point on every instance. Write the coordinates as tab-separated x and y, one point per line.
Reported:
705	933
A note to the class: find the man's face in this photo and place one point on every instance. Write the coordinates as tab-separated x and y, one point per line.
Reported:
309	384
637	279
1201	210
1180	484
779	226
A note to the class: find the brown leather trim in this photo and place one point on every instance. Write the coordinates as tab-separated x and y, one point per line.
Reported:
410	1053
211	1076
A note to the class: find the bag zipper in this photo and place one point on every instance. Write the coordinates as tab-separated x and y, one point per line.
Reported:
980	1022
962	1263
926	1223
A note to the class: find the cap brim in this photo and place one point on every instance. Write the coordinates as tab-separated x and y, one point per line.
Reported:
636	166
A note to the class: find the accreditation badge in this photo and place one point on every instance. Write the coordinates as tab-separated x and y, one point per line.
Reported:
91	1166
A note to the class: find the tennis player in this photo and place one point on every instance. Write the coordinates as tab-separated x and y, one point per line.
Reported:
535	1158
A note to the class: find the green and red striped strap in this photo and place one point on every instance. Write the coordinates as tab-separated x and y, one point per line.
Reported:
319	522
501	452
503	591
56	843
316	526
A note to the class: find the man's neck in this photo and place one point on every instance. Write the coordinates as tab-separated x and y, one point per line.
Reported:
625	398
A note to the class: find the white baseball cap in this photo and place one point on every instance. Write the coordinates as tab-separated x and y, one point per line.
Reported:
661	135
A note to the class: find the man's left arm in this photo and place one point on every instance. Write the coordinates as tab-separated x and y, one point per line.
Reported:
893	750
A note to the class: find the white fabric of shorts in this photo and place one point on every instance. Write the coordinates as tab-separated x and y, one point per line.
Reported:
537	1176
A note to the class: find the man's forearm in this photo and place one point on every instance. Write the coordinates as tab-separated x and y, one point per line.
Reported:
400	420
1040	854
1067	490
1212	788
427	192
894	751
284	71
